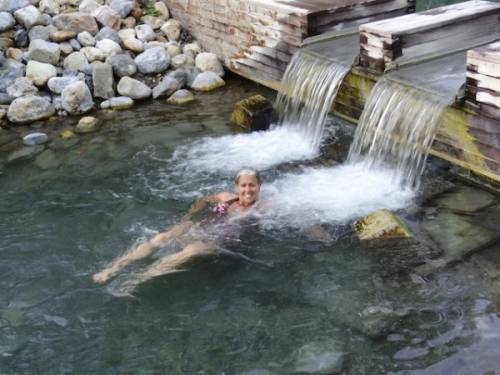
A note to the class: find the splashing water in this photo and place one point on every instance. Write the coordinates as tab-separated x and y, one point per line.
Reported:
309	87
396	130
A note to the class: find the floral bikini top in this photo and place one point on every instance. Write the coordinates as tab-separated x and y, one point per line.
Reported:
221	209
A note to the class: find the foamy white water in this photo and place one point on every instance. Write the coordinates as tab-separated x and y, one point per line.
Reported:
259	150
335	195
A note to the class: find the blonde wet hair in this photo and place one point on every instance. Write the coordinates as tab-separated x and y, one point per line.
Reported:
247	172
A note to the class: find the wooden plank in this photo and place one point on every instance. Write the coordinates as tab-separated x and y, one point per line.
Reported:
484	81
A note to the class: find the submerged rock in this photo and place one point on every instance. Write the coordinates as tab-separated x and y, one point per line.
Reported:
34	139
323	357
86	124
253	113
466	200
30	108
47	160
25	153
380	226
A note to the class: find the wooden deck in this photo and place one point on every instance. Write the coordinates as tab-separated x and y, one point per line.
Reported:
257	38
440	30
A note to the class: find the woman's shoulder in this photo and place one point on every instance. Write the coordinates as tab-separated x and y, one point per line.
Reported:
225	196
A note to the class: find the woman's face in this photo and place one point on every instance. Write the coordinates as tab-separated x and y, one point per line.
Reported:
248	188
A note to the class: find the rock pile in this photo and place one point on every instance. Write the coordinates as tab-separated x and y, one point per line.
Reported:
63	56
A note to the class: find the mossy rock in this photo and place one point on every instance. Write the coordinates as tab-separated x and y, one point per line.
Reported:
381	225
253	113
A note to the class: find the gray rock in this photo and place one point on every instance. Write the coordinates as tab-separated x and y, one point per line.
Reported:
45	52
86	39
181	97
57	102
75	44
172	29
12	5
76	22
47	160
21	38
31	16
166	87
466	200
207	81
39	73
133	88
76	61
108	33
324	357
118	103
123	65
22	87
2	58
5	98
122	7
182	61
107	16
29	108
39	32
9	74
25	153
34	139
154	60
191	73
145	33
102	78
209	62
7	22
76	98
58	84
180	75
154	22
408	353
93	54
192	49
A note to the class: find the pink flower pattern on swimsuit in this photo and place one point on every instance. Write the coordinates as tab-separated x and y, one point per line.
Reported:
221	209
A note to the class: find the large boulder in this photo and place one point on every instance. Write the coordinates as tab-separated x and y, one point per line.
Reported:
31	16
166	87
153	60
379	227
108	47
76	22
58	84
76	61
29	108
207	81
7	22
209	62
107	16
123	65
76	98
103	82
21	87
172	29
40	73
133	88
45	52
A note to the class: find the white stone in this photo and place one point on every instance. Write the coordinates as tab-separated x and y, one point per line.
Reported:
181	61
117	103
107	16
86	39
66	48
181	97
88	6
39	73
49	6
30	108
12	5
145	33
108	47
209	62
134	45
172	29
58	84
162	8
154	22
191	48
86	124
76	98
122	7
133	88
30	16
207	81
126	34
93	54
34	139
173	50
43	51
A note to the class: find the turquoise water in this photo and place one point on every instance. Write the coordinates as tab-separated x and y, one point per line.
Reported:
369	308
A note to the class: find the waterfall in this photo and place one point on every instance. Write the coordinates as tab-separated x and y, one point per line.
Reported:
308	89
396	130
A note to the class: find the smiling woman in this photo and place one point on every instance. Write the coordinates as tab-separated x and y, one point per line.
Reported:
196	243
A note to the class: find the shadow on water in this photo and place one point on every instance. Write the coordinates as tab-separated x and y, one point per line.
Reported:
320	297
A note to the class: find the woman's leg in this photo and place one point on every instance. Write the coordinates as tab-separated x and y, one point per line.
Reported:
141	251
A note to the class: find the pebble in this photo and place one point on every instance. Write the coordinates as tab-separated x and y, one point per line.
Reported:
86	124
34	139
